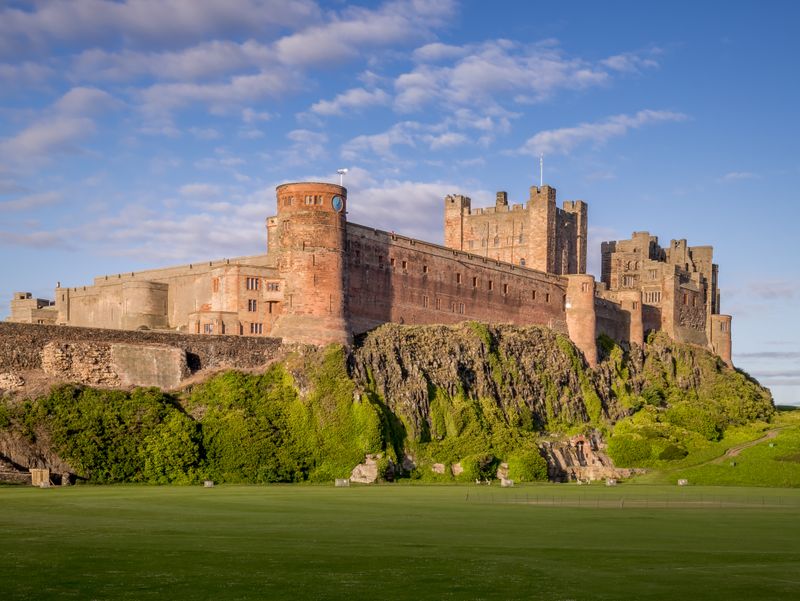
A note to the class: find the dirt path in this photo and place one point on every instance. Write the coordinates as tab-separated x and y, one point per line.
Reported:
735	450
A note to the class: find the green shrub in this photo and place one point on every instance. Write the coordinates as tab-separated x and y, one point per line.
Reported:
527	466
628	450
477	467
673	452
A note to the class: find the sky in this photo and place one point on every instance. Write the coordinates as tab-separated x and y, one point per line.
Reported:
141	133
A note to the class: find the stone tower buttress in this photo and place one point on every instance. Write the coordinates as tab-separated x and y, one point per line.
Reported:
455	205
542	210
310	239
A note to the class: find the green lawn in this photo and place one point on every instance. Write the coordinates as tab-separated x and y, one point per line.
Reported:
553	542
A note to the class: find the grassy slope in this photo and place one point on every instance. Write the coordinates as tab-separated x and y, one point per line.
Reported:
407	542
759	465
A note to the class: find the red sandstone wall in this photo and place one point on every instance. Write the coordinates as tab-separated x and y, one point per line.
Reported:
397	279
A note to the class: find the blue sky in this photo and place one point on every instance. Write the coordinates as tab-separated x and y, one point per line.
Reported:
139	133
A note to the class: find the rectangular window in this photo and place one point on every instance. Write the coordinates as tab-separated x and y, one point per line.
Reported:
474	282
694	301
252	283
404	265
215	285
424	269
208	328
491	285
533	295
425	301
252	305
685	299
458	278
547	297
635	305
505	288
273	286
585	287
438	303
256	328
391	262
461	308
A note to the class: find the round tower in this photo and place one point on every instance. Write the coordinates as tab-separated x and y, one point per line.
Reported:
310	232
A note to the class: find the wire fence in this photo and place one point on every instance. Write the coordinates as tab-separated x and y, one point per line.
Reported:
634	501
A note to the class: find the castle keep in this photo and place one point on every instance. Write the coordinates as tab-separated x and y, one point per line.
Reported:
325	280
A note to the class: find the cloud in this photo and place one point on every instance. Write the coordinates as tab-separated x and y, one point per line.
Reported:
39	141
769	355
307	146
381	144
564	140
445	140
204	133
200	190
31	201
39	240
629	62
347	36
85	101
437	52
353	99
148	23
485	74
205	61
13	76
765	290
734	176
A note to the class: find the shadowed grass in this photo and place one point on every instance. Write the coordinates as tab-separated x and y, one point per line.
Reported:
398	542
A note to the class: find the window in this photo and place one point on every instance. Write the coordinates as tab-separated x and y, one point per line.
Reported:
215	285
491	285
309	200
652	297
424	269
585	287
425	301
653	274
287	202
547	297
438	303
533	294
628	281
208	328
694	300
391	262
461	308
252	283
505	288
522	261
474	282
252	305
458	278
404	265
635	305
685	299
380	261
273	287
256	328
497	240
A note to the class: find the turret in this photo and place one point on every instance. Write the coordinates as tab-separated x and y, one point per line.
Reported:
581	315
454	207
310	244
542	209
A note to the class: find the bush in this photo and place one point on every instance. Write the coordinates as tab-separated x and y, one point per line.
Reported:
527	466
477	467
673	452
628	450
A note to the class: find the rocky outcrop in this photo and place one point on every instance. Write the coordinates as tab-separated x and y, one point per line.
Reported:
519	367
581	458
367	472
11	381
82	362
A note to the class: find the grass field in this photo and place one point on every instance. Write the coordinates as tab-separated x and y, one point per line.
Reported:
553	542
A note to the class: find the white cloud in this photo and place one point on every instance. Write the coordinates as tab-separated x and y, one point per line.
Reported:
353	99
734	176
31	201
306	146
381	144
629	62
204	133
200	190
346	36
445	140
12	76
485	73
45	138
566	139
149	23
437	51
85	101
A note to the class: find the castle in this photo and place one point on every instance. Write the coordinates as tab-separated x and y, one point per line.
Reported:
325	280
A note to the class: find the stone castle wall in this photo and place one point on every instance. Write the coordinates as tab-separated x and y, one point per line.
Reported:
22	345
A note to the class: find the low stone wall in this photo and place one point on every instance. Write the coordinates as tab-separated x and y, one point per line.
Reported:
22	346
